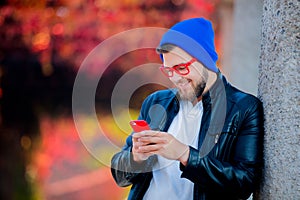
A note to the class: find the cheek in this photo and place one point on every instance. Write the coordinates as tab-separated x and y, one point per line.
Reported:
198	73
175	78
196	76
172	79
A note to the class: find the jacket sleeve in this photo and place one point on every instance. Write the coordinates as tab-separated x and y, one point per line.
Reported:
124	169
239	175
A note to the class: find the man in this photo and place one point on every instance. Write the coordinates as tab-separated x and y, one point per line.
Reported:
207	136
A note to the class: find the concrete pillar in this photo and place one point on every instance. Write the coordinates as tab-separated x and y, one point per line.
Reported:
279	89
225	18
242	47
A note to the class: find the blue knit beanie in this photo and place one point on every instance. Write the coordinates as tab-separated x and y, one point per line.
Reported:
196	37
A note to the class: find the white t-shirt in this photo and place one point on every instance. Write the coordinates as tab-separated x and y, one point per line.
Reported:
166	182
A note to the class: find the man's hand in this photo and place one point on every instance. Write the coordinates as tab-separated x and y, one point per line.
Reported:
138	156
147	143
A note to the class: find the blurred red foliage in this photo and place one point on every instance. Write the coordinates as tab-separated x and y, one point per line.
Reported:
60	34
73	28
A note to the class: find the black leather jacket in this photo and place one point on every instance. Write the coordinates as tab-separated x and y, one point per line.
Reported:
228	161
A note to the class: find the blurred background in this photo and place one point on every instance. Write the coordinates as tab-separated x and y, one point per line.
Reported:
42	45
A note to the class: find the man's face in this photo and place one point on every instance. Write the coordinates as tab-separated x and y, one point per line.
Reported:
192	85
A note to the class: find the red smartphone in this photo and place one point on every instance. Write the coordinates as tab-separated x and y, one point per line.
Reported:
139	125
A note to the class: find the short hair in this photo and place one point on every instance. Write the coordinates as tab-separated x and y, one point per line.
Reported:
165	48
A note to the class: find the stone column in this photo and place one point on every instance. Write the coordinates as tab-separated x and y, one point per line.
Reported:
279	89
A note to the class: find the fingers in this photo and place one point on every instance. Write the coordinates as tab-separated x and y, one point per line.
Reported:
152	140
160	143
147	133
148	142
138	156
150	137
152	148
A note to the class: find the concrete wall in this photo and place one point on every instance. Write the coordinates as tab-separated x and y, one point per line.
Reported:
242	48
279	89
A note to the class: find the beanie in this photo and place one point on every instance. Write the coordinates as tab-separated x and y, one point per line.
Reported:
196	37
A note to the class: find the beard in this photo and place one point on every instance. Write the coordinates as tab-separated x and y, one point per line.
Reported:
192	93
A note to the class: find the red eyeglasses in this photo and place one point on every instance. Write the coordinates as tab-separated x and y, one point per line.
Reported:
181	69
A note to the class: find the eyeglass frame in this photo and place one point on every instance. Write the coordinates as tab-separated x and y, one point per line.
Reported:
172	69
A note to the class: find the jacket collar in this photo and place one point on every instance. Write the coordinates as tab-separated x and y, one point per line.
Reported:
218	88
